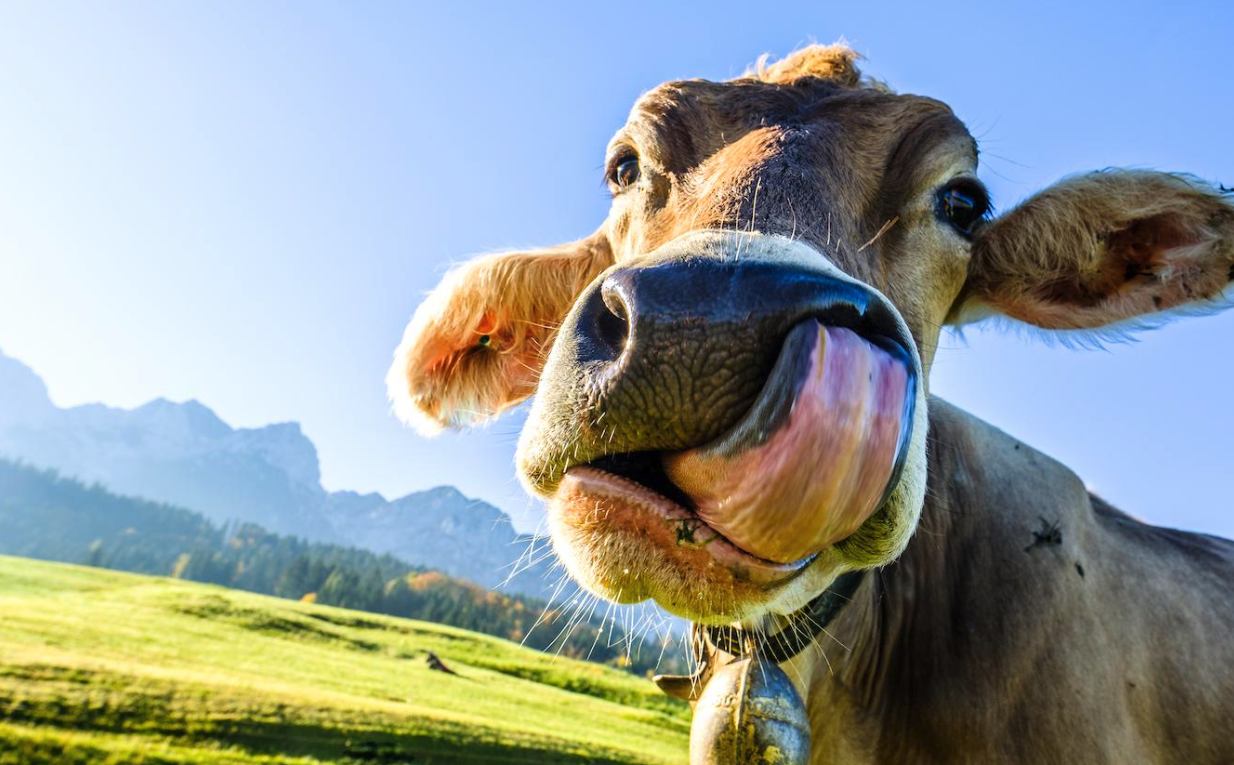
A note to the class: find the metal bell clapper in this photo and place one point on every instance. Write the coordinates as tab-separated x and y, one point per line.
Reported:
749	713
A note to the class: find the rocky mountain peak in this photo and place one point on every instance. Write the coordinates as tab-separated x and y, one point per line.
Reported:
184	454
23	395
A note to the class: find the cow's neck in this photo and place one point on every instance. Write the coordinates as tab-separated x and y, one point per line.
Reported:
902	649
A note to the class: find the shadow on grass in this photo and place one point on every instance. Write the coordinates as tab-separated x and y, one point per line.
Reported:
101	702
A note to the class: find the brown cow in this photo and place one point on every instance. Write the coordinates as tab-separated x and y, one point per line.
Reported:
732	412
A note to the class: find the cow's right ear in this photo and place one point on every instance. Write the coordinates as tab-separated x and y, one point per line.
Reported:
1103	249
476	345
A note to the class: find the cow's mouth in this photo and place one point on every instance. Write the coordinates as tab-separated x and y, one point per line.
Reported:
814	457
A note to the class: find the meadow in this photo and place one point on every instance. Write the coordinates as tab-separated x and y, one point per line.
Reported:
99	666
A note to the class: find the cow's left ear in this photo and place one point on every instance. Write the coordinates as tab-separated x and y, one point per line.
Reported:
1103	248
477	343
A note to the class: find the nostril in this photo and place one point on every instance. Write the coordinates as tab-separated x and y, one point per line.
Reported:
613	321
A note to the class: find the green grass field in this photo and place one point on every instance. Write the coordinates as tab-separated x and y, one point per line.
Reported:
103	667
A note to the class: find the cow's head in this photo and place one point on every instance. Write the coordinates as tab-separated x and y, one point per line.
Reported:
730	375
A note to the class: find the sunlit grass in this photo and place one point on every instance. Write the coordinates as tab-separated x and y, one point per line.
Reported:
99	666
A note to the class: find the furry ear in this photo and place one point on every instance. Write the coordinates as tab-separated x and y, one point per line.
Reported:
1103	248
476	345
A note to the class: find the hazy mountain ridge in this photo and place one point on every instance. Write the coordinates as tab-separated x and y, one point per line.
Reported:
468	535
184	454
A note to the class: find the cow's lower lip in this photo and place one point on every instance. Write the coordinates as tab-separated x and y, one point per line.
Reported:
589	496
806	466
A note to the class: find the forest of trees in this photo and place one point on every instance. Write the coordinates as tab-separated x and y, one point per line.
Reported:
44	515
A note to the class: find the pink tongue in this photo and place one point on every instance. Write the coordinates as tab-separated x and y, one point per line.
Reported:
817	479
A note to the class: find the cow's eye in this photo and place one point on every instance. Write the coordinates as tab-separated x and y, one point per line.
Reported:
624	171
964	204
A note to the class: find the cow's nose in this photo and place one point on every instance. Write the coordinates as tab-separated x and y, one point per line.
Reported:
672	355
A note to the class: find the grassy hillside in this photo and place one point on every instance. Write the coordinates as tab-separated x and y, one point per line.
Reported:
103	667
47	516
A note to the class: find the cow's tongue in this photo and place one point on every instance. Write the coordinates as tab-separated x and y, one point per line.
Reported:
823	472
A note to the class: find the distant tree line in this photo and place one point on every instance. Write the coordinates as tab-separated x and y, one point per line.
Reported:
47	516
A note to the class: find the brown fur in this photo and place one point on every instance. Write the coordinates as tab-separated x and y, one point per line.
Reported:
1111	644
837	63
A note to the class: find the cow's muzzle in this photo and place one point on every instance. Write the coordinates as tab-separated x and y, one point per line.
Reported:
752	411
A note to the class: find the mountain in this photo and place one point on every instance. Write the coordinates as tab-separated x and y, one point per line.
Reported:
440	528
183	454
23	396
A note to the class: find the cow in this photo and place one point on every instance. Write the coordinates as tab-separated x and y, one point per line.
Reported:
732	417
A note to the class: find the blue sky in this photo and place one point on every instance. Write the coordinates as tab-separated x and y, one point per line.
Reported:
242	202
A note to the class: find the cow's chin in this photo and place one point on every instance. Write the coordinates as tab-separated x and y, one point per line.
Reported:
754	521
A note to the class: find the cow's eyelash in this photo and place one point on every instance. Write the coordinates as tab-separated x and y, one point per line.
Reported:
612	166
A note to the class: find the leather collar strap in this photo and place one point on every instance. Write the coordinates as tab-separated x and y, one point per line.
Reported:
803	628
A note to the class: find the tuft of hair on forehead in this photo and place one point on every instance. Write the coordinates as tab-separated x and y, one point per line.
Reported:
836	63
